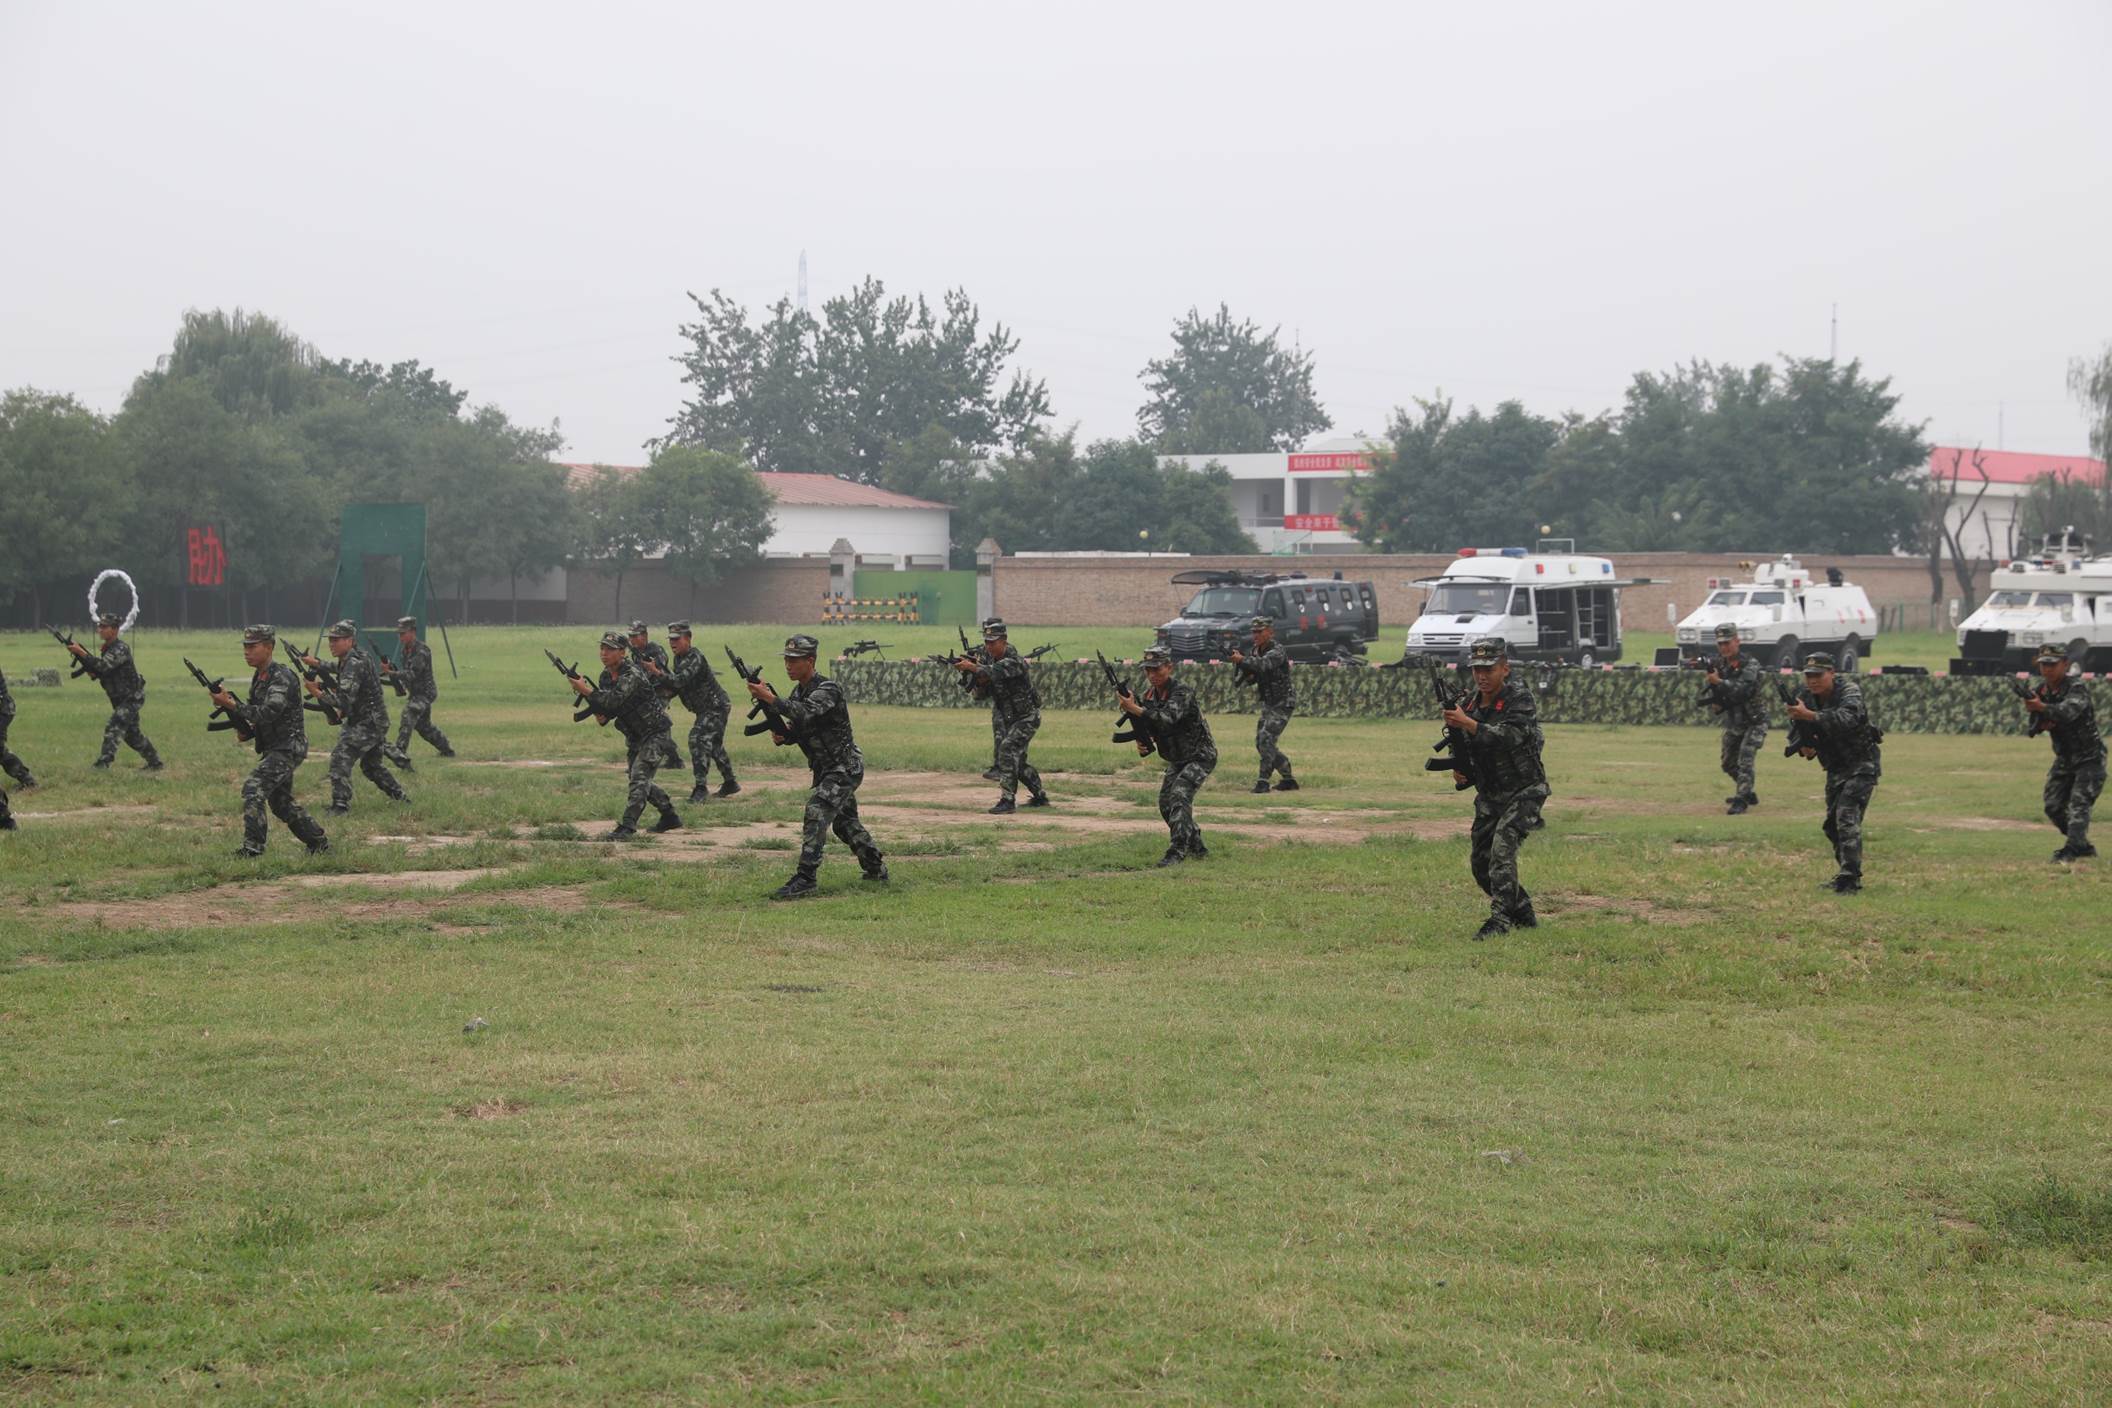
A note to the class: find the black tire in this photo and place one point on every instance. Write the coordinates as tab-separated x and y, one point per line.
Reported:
1786	653
2078	654
1851	655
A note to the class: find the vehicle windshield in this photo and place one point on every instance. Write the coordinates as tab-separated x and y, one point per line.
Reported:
2010	599
2056	598
1767	598
1464	598
1224	601
1727	599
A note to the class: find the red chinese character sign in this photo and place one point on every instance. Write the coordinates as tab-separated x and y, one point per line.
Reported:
207	557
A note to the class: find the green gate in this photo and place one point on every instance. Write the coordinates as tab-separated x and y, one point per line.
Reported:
943	598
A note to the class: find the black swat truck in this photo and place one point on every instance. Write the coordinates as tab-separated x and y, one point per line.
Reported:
1317	619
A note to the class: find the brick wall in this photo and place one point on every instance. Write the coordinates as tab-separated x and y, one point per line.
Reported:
1084	591
777	591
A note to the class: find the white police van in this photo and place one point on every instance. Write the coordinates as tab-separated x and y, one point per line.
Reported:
1548	605
2059	595
1782	615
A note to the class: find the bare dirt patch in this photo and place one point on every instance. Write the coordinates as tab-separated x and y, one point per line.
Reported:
496	1109
1560	902
243	904
1987	823
533	764
400	880
87	813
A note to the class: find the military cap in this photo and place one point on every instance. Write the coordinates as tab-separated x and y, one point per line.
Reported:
993	620
801	647
2051	654
260	635
1157	655
1489	650
637	628
109	618
344	630
614	640
1818	663
1726	630
994	629
678	628
1262	623
406	623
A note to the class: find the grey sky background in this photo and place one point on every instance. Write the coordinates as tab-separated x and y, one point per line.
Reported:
1529	199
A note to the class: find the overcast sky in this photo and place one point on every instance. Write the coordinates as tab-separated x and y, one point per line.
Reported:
1526	200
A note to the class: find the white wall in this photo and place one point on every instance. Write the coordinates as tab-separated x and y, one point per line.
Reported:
801	530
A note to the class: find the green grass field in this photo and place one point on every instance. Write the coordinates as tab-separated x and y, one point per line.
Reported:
1037	1123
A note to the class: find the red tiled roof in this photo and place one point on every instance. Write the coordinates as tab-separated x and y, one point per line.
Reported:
2011	466
800	490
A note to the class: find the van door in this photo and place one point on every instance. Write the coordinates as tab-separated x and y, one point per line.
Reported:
1555	609
1272	604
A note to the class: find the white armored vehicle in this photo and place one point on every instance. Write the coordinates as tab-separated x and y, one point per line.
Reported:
1782	615
1549	605
2058	596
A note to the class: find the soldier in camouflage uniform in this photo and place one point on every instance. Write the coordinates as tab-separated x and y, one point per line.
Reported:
356	693
271	720
13	766
820	719
625	697
1170	714
1002	673
689	678
1501	721
1735	688
2062	707
1846	745
7	818
650	656
119	677
414	661
1268	669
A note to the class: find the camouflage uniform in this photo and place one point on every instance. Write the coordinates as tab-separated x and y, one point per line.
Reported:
2078	772
7	818
1270	672
1176	724
415	664
1015	712
272	719
627	698
657	653
362	740
119	677
816	707
1848	749
13	766
695	684
1742	700
1509	786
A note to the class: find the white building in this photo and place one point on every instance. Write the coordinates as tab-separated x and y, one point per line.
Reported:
814	510
1289	502
1992	532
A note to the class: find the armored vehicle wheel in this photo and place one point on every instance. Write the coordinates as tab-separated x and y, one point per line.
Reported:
1851	655
2079	653
1786	654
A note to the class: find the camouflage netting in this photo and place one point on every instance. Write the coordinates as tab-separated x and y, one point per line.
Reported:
1898	703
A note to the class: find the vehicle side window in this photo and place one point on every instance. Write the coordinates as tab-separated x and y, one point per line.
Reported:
1298	600
1272	603
1324	599
1767	598
1521	602
1366	597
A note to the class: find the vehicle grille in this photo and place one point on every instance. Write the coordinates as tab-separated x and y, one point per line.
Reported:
1186	642
1440	638
1985	645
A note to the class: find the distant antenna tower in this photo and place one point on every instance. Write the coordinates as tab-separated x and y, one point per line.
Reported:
802	281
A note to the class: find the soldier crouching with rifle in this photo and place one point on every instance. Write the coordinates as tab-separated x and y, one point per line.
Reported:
817	717
1500	726
1838	732
1732	689
625	697
271	719
1168	716
2061	706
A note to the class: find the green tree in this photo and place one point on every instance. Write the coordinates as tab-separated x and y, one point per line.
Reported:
1228	388
1442	480
708	513
2090	378
612	527
64	489
251	364
2070	497
838	394
1114	496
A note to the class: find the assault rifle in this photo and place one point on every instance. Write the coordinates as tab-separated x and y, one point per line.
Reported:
1801	734
1455	753
774	722
320	676
571	672
226	720
388	672
80	665
1139	732
865	647
1038	651
2026	690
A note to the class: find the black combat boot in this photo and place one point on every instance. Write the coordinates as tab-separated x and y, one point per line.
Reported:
8	823
699	793
876	873
1523	916
1004	807
1261	787
1846	884
1174	856
620	833
1197	850
1492	927
1287	784
1736	808
102	763
991	774
727	788
338	808
669	821
320	846
797	888
1039	799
